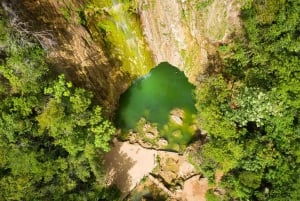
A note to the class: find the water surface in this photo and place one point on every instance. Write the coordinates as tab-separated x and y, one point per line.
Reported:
154	96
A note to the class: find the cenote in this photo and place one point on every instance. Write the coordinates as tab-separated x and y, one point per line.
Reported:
163	97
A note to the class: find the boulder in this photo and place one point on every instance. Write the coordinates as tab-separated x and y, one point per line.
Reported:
176	119
176	116
150	135
162	142
168	176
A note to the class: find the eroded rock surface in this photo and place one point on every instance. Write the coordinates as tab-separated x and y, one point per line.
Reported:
127	164
70	47
185	36
194	189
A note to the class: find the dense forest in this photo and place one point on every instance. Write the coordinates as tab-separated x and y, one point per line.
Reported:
251	109
53	134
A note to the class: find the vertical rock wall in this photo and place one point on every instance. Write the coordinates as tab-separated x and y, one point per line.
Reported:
71	49
186	34
180	32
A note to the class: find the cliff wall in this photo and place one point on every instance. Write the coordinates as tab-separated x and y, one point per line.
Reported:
70	47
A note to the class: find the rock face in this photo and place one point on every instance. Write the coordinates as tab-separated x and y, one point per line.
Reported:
186	33
176	115
127	164
173	168
174	30
71	49
194	189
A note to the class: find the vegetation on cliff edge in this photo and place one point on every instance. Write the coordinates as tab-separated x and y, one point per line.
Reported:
52	136
251	110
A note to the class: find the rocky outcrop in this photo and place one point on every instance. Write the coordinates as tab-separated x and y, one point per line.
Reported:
194	189
187	33
71	49
176	115
175	31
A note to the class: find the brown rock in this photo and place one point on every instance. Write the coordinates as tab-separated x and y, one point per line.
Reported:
76	53
168	176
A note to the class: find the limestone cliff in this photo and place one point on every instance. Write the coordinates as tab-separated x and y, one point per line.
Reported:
186	33
71	49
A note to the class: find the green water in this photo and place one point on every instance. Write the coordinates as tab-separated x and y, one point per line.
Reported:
153	97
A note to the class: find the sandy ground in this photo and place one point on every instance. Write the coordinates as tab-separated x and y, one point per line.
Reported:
127	164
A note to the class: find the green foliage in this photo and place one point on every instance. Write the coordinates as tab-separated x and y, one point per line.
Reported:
66	13
111	193
203	4
23	68
250	179
210	110
3	34
267	10
51	143
255	106
210	196
251	111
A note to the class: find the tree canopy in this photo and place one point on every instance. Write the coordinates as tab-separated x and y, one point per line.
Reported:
52	136
251	110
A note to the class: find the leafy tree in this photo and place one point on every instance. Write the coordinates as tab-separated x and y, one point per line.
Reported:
52	137
252	121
